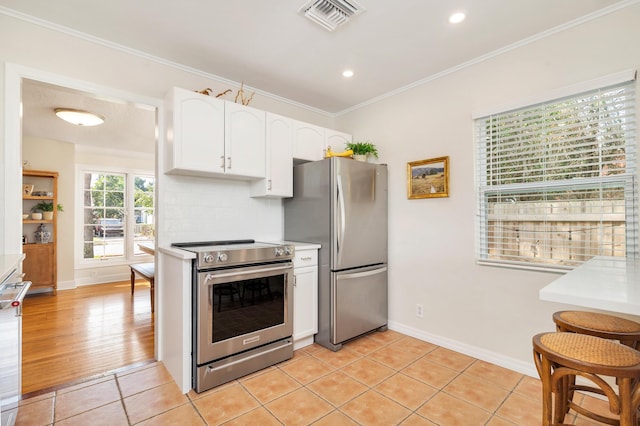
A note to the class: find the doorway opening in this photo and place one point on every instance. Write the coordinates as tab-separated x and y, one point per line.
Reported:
109	312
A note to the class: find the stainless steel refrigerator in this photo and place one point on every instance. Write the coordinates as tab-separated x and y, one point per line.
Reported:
341	204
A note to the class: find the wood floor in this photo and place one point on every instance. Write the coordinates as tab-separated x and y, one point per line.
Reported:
84	332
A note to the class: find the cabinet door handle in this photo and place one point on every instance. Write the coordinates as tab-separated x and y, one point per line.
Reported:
229	160
306	258
269	185
222	162
295	281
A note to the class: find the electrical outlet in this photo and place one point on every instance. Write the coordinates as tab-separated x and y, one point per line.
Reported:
419	310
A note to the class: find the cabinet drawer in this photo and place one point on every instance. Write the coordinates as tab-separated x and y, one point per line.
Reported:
305	258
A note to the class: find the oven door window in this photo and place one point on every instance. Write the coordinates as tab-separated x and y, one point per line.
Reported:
245	306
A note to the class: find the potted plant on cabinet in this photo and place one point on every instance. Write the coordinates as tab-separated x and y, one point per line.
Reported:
362	149
47	209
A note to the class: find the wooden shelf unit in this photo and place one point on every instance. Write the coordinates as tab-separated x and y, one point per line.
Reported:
40	263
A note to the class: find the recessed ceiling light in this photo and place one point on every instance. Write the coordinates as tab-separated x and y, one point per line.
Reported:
457	17
78	117
347	73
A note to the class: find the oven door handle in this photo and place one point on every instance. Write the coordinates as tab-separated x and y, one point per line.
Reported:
235	273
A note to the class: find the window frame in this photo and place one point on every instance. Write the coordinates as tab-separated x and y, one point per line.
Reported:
129	256
628	180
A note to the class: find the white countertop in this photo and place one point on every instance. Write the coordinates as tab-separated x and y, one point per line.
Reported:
608	283
177	253
302	245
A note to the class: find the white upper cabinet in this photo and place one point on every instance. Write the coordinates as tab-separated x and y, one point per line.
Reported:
308	141
211	137
244	141
279	159
337	140
195	132
207	136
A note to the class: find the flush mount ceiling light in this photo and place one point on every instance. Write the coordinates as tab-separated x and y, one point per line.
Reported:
78	117
457	17
347	73
330	14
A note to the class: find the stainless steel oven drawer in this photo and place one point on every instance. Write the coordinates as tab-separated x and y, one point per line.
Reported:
233	367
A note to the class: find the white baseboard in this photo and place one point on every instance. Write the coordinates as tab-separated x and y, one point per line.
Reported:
517	365
62	285
301	343
102	279
66	285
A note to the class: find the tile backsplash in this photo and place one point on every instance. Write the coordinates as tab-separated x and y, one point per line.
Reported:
198	209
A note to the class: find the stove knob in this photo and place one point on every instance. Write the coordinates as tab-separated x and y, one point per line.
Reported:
279	251
222	257
208	258
288	250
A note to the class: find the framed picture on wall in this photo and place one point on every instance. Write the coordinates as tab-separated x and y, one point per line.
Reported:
428	178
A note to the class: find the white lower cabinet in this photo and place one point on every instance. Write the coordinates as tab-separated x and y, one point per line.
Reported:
305	295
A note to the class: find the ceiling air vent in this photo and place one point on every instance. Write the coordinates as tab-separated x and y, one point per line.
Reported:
330	14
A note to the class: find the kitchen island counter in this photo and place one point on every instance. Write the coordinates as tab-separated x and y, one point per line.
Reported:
603	282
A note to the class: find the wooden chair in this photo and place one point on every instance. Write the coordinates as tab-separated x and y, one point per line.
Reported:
561	356
605	326
146	271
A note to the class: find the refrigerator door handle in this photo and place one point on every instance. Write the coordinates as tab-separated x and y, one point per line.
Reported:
363	274
342	219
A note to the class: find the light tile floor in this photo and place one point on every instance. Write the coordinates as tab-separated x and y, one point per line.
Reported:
381	379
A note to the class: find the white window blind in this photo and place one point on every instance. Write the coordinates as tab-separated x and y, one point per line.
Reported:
557	181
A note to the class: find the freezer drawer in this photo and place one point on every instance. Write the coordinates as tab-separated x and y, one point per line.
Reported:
359	302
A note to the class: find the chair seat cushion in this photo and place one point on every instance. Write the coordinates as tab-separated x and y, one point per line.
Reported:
596	321
589	349
147	270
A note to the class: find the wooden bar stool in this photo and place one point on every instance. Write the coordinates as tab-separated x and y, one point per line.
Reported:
606	326
559	357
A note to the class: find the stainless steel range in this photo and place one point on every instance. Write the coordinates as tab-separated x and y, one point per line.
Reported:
242	308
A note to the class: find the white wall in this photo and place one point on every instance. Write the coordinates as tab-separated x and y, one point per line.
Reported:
491	311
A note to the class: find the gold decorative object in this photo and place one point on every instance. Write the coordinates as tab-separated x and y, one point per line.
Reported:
209	92
27	190
240	94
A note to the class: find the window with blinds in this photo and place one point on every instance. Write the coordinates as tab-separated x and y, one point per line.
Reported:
557	181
